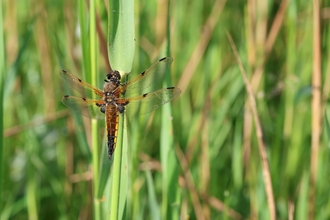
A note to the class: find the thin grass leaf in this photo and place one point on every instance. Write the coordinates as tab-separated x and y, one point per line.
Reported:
89	49
152	198
12	70
327	128
169	162
237	155
105	166
95	133
2	77
118	191
124	173
31	149
83	25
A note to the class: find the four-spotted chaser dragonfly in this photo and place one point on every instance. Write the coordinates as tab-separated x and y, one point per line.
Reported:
110	102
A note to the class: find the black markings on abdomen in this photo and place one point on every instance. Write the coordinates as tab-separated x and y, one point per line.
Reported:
111	144
112	127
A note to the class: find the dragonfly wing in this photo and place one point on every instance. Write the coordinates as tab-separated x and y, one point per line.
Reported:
144	80
148	102
86	107
78	84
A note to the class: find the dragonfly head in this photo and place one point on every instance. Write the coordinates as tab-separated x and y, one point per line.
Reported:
113	76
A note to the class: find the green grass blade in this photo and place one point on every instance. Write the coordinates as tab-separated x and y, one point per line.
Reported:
121	52
118	191
105	166
89	51
32	185
83	24
12	70
124	172
2	77
152	198
94	80
121	35
168	159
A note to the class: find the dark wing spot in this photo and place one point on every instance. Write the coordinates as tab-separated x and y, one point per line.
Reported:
143	73
144	95
79	80
66	96
83	99
64	71
102	109
124	103
164	58
121	108
172	87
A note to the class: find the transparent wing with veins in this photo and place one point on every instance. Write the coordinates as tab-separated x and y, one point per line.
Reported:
147	78
78	85
134	102
87	107
148	102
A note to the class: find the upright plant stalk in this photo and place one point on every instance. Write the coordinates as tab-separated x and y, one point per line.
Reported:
118	200
2	76
261	145
121	53
316	108
168	158
95	142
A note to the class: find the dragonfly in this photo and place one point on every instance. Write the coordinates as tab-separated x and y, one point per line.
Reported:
116	98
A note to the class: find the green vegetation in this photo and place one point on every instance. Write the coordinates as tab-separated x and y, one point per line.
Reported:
226	148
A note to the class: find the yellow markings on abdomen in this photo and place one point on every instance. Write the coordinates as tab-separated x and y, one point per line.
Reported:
111	120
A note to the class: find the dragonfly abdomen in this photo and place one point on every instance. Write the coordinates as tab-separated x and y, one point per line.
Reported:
112	117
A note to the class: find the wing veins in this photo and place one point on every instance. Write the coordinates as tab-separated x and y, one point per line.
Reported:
148	102
150	76
89	108
79	85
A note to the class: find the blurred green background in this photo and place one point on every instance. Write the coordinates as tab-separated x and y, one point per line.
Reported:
46	158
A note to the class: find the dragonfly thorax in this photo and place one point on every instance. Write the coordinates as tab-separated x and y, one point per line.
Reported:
112	81
109	98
